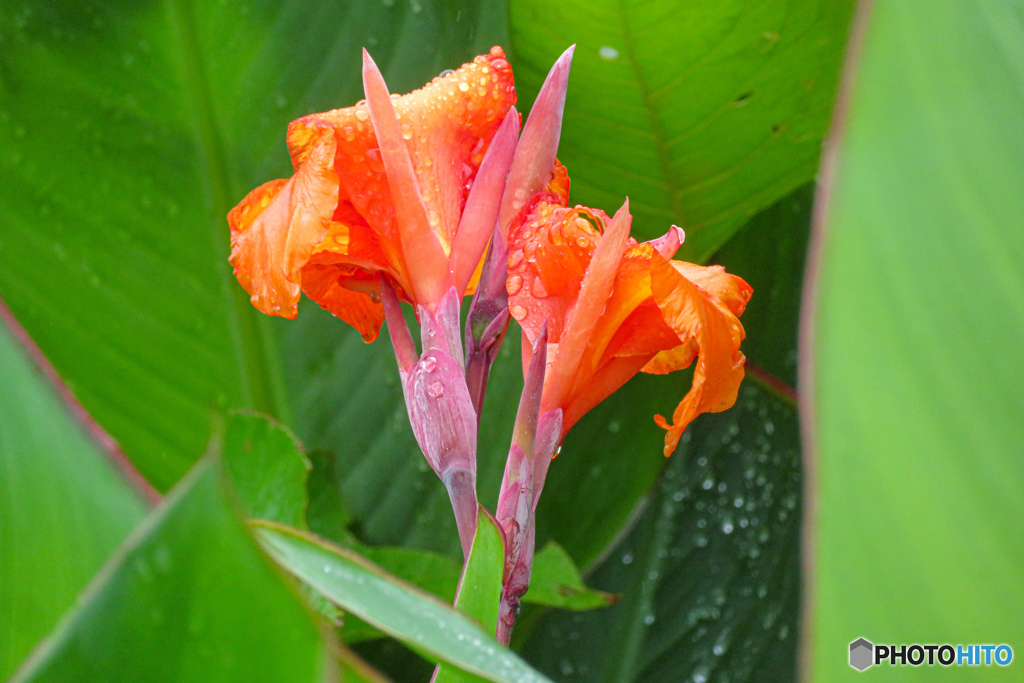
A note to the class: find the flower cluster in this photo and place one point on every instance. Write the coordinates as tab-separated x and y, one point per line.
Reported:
428	197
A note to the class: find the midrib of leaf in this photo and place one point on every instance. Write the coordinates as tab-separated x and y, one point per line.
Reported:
670	182
624	661
258	362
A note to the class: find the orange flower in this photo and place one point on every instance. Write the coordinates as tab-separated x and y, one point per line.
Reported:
382	187
615	307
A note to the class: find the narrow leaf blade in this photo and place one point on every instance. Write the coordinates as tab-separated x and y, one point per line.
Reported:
417	619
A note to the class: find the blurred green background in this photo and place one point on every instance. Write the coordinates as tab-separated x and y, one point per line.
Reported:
129	129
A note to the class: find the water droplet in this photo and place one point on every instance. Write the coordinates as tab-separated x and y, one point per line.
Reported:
463	86
518	312
407	131
515	283
515	258
615	426
727	526
608	53
649	619
429	363
362	114
627	558
537	288
708	483
436	390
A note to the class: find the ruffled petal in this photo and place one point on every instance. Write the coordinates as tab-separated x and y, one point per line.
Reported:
447	126
717	332
731	290
276	227
331	287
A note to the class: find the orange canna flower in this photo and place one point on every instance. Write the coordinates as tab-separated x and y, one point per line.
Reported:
385	187
614	307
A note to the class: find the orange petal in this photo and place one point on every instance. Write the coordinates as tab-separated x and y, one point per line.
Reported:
632	288
594	293
327	286
276	227
643	333
731	290
717	332
676	358
447	126
425	260
548	256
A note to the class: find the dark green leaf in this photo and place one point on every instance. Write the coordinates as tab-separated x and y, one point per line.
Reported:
421	621
128	131
769	253
267	469
709	575
189	597
916	368
702	113
64	507
556	582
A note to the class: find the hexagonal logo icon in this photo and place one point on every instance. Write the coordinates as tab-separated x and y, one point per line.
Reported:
861	654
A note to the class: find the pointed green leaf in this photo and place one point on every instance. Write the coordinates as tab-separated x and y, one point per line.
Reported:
915	341
556	582
479	593
419	620
703	113
64	507
128	130
710	574
266	468
189	597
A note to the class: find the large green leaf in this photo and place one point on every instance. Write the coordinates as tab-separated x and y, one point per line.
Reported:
64	507
421	621
128	130
915	365
709	576
189	597
703	113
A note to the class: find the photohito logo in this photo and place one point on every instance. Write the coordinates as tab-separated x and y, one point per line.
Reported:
864	654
